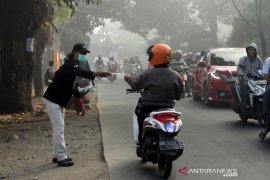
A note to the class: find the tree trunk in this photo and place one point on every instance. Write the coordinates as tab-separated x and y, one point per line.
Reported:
263	43
213	32
40	43
19	20
260	26
15	76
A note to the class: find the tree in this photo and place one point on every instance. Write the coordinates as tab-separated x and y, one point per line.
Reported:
60	17
166	18
251	24
208	14
17	64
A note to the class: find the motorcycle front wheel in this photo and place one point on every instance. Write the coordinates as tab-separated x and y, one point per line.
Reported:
165	166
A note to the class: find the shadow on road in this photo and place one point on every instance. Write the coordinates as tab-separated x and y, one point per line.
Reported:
239	125
200	104
137	170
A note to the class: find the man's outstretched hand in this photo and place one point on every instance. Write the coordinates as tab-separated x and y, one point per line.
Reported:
102	74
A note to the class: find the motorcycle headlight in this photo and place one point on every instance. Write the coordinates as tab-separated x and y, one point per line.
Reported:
170	127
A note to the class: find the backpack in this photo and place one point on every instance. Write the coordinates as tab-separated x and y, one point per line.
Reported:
48	77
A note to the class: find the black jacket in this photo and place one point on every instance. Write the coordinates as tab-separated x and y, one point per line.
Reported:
61	88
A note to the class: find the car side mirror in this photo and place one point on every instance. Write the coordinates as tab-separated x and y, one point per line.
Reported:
202	64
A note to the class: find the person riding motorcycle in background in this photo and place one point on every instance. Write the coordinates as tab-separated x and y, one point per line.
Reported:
266	98
198	56
189	58
160	85
132	61
139	64
112	65
178	61
99	63
126	65
248	65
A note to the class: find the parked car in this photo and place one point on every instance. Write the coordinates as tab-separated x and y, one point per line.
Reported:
209	75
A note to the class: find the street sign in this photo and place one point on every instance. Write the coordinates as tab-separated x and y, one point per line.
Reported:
29	44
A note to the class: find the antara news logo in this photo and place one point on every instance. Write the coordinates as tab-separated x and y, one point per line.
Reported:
224	172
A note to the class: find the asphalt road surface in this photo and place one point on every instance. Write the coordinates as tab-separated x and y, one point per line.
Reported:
216	141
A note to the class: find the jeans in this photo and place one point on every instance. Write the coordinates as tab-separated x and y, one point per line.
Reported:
57	117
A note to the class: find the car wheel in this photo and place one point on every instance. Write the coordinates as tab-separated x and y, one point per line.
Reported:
206	95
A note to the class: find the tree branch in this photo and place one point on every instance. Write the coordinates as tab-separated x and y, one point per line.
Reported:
243	17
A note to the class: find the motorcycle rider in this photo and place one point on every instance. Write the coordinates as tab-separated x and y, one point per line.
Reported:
99	63
248	65
197	57
178	61
126	65
139	64
160	85
189	58
266	98
112	65
120	64
132	61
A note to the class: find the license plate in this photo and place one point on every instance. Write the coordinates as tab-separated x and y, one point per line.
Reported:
170	145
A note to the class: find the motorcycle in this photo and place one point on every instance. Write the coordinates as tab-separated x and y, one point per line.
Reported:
113	77
133	70
112	68
99	68
160	144
139	68
254	108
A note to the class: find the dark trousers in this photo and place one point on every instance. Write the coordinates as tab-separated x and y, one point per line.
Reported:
266	107
143	112
244	94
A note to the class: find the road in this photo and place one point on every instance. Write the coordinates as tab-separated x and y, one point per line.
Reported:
214	139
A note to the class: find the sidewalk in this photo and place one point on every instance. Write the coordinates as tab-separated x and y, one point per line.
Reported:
25	147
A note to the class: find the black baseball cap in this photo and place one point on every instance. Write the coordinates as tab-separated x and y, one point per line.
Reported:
80	47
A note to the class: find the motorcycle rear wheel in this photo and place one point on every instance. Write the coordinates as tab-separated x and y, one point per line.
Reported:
165	166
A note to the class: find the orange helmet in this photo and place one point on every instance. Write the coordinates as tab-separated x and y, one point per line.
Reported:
159	54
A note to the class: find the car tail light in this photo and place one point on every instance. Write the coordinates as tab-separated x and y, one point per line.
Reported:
166	117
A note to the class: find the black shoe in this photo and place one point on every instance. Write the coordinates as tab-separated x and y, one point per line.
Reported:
262	135
54	160
65	163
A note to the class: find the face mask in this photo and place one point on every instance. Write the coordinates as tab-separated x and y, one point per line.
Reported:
81	58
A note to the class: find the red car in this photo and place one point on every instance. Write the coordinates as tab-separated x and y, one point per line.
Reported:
212	70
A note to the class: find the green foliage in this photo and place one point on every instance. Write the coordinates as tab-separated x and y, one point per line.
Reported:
62	15
246	30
